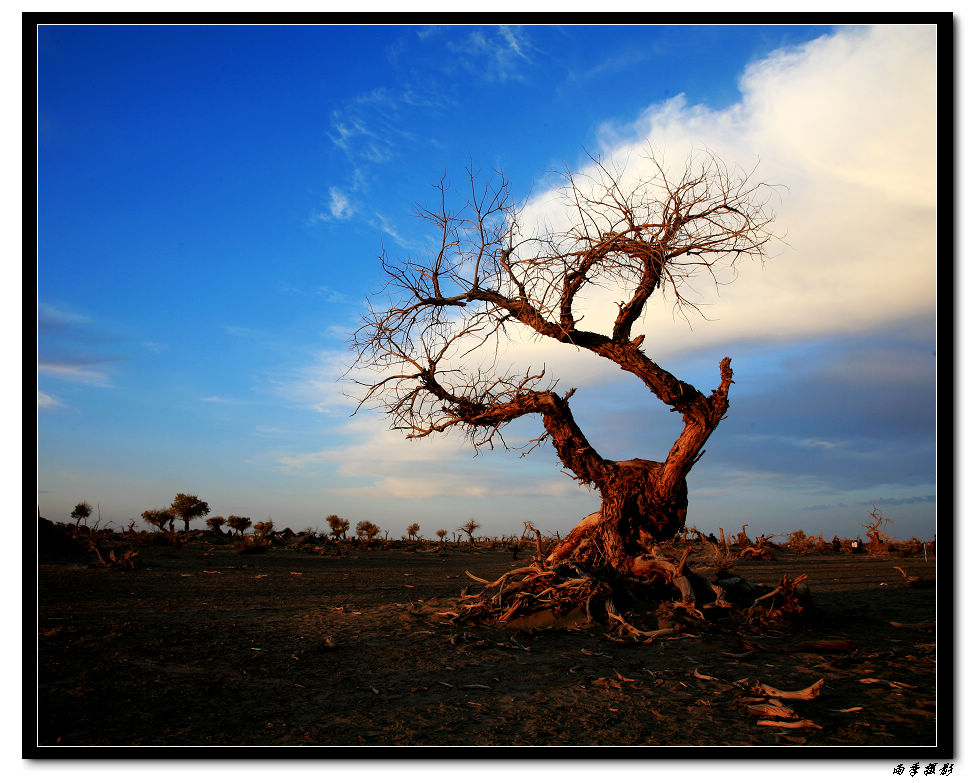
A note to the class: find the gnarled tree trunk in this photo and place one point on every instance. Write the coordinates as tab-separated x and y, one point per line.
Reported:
635	511
642	500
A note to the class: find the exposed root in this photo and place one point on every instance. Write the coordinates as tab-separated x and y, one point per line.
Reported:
659	596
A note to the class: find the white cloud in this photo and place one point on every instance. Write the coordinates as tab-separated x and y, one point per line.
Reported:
847	124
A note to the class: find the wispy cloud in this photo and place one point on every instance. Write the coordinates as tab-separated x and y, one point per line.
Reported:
383	463
382	223
798	442
70	348
49	317
494	53
74	373
45	400
339	204
879	502
243	331
332	296
319	385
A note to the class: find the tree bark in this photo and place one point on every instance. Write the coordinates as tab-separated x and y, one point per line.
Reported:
642	500
638	508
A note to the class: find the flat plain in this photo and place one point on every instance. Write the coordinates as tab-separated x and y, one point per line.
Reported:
206	646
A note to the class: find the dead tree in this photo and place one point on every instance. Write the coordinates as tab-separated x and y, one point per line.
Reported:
431	358
878	541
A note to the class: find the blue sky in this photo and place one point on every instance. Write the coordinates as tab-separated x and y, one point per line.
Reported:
213	200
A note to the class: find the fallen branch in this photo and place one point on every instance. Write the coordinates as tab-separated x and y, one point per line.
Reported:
796	724
770	710
924	625
891	683
805	694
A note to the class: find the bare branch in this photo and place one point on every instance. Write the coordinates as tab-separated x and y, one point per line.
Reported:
429	357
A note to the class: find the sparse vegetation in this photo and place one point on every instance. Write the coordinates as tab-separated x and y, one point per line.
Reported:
286	602
412	530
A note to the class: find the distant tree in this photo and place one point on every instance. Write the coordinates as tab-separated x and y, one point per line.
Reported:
877	539
412	530
264	529
440	534
367	530
469	527
338	525
188	507
80	512
215	523
240	524
159	517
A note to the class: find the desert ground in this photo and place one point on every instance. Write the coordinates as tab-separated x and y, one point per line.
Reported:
208	644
